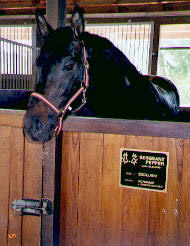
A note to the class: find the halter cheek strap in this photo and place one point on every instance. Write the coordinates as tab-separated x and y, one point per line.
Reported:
82	89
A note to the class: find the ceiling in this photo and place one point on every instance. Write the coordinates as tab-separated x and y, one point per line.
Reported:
25	7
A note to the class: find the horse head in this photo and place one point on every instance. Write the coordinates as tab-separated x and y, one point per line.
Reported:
62	74
117	89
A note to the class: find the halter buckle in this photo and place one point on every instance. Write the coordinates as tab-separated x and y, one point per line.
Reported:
86	64
60	115
84	96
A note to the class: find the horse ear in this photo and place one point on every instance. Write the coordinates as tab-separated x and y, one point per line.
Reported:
43	26
77	21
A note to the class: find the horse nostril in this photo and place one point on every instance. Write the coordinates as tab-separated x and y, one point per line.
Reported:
38	126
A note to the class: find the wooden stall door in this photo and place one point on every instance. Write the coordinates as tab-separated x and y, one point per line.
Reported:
27	171
20	177
96	211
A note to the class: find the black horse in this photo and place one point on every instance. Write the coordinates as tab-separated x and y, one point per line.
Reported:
108	84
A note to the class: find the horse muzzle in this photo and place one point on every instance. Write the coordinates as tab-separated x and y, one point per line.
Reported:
38	131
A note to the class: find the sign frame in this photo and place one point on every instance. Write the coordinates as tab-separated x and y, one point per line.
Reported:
148	156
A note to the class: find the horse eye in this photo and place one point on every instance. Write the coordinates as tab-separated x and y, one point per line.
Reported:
68	67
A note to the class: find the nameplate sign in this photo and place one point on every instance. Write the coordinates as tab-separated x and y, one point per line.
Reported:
147	170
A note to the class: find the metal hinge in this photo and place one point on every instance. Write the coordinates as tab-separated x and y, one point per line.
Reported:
33	207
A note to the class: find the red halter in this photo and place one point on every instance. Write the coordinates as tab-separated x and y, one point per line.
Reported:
82	89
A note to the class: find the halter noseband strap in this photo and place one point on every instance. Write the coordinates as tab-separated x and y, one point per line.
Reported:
82	89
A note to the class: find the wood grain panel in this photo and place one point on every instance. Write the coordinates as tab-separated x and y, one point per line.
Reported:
175	148
135	204
11	118
184	203
48	190
31	226
96	211
157	220
70	187
111	192
163	214
157	209
16	185
4	182
90	189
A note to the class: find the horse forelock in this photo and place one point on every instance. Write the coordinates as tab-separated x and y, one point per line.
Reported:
56	45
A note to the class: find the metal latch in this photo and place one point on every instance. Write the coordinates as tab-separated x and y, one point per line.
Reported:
33	207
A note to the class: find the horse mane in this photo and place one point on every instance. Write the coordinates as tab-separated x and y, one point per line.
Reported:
113	55
102	49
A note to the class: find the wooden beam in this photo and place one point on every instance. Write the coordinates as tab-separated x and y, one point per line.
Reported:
97	6
126	3
20	5
14	118
131	6
128	127
35	2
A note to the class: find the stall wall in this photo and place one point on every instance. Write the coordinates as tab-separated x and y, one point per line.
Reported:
95	210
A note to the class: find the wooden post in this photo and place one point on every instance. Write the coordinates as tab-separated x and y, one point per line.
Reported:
35	42
52	12
56	12
1	82
155	48
61	13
